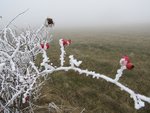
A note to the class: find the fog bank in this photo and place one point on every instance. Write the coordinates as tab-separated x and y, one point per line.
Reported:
77	13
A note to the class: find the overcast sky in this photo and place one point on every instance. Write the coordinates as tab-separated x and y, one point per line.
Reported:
74	13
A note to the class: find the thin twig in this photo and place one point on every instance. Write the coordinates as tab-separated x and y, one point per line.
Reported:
82	110
16	17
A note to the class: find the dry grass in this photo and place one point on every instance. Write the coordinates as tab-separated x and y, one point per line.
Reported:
100	52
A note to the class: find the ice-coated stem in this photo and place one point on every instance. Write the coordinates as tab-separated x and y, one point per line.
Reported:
119	73
62	55
74	62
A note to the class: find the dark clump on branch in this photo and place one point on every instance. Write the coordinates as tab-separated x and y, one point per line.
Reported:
49	22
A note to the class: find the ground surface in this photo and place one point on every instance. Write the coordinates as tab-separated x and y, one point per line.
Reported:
100	51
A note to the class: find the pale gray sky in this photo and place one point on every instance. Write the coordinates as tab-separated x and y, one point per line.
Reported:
73	13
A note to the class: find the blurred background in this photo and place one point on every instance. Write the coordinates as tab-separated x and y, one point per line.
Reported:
77	13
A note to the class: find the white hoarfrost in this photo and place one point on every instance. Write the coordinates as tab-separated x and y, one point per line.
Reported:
62	55
20	78
74	62
1	66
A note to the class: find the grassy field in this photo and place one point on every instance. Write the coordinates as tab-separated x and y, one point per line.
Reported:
100	51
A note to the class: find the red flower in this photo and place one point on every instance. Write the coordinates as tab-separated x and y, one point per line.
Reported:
66	42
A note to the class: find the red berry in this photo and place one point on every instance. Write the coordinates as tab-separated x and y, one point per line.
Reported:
27	98
126	59
47	45
69	41
42	45
130	66
66	42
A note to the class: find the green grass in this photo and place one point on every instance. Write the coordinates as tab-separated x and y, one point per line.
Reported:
99	52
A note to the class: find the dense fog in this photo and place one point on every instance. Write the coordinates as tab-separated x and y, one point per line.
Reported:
76	13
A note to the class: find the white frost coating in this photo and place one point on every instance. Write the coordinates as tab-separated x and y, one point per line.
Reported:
45	58
46	61
119	73
20	75
34	67
13	98
38	30
123	63
48	67
11	32
138	101
74	61
21	78
6	43
12	64
5	32
1	66
62	55
17	49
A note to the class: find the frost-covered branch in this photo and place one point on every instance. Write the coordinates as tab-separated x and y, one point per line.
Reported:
18	74
63	43
20	78
62	52
138	98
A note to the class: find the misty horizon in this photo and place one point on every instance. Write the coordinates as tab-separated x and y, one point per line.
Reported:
76	14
